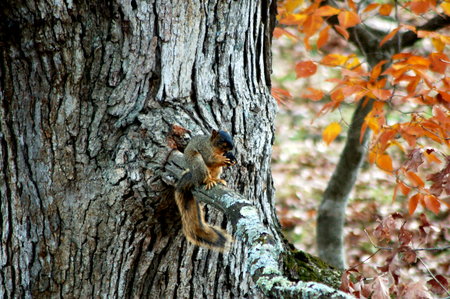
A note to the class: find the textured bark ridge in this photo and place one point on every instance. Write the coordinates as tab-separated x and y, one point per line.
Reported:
93	98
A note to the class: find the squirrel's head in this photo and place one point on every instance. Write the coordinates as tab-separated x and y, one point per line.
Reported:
222	140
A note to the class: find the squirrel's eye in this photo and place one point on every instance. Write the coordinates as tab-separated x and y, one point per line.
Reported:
221	140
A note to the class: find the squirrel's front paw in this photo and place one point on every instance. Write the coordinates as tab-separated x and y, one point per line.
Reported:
231	159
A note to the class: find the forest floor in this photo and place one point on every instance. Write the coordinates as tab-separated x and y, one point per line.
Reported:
302	165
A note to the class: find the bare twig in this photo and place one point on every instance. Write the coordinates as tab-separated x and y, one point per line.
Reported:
431	274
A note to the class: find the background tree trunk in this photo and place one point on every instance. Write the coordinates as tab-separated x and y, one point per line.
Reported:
95	95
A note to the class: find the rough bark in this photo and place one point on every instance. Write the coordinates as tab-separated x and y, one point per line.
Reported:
94	98
331	215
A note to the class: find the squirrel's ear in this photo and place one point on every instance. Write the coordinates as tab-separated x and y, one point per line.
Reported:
214	133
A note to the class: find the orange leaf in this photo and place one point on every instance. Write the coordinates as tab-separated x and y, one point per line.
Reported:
348	19
381	94
385	9
432	157
326	11
384	162
305	69
404	189
437	65
371	7
311	25
418	60
342	31
295	19
331	132
419	7
414	179
432	203
278	32
315	95
390	35
323	37
334	60
413	201
377	70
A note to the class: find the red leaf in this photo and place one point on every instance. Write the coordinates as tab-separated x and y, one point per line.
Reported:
408	255
404	236
441	180
305	69
385	226
435	287
415	160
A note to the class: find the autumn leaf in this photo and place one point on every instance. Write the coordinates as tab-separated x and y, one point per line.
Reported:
323	37
413	202
403	188
408	255
432	203
278	32
383	230
414	179
380	289
437	62
342	31
445	7
294	19
417	291
385	9
390	35
305	69
280	95
315	95
292	5
327	11
381	94
371	7
331	132
384	162
436	287
348	19
415	159
419	7
404	237
441	180
311	25
334	60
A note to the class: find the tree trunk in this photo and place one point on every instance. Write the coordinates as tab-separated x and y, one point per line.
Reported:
95	95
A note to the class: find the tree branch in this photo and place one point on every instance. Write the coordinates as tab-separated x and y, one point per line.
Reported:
266	258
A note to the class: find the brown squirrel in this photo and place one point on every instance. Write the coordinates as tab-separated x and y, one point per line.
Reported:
205	156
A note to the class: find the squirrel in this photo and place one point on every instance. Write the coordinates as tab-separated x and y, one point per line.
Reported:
205	157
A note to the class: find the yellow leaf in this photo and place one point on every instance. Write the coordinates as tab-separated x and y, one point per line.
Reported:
438	44
292	5
446	8
331	132
348	19
334	60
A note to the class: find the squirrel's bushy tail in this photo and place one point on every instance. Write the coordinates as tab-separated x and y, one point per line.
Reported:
195	228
